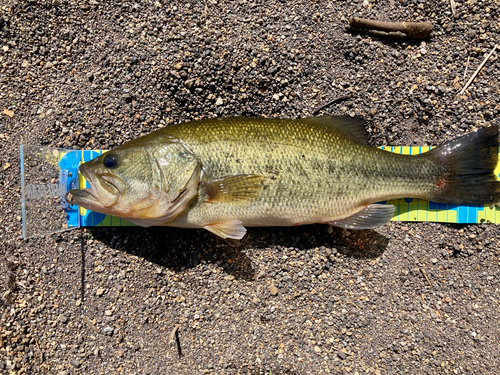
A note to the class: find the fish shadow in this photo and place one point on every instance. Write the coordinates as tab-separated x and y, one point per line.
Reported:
181	249
176	249
389	41
361	244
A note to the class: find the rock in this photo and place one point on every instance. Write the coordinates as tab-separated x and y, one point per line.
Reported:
100	292
85	5
75	363
341	354
219	101
273	290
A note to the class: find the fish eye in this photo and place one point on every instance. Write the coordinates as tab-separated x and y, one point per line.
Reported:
110	161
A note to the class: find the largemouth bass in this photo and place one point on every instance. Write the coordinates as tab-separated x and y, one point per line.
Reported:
225	174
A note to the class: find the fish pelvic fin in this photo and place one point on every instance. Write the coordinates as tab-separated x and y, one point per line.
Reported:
232	229
372	216
470	169
239	189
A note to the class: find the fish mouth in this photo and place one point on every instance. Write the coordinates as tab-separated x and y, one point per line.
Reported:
82	197
102	194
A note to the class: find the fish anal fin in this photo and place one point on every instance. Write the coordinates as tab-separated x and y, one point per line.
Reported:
372	216
240	189
232	229
352	126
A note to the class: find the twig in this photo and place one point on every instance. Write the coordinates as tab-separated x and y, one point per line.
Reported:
466	67
385	100
174	339
477	70
425	275
453	7
338	99
174	334
40	349
90	324
416	30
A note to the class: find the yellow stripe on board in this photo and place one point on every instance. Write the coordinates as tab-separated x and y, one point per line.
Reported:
497	169
82	182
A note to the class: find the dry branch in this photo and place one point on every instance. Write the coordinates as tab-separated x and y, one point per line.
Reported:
416	30
477	70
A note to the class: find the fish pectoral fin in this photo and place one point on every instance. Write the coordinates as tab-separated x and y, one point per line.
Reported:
372	216
242	188
353	126
233	229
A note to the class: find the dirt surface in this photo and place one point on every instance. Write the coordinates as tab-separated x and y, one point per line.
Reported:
418	298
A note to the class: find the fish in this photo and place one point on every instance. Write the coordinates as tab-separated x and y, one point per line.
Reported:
227	174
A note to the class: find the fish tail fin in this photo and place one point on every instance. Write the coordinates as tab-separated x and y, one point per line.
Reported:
470	169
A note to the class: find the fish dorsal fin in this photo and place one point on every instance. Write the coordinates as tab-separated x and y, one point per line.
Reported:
240	189
372	216
353	126
232	229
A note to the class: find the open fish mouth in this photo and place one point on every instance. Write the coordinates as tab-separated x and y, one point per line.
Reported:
102	192
81	196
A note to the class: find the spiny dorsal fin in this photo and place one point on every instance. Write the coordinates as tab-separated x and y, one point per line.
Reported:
353	126
372	216
233	229
241	189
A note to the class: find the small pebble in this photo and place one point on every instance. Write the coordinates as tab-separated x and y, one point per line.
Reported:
273	290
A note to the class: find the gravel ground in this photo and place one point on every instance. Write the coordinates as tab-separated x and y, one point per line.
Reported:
417	298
